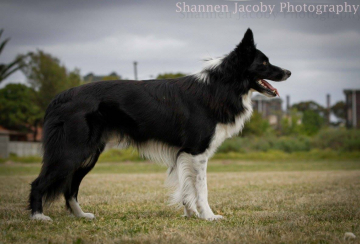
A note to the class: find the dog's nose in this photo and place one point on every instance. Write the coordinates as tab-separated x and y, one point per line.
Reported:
288	73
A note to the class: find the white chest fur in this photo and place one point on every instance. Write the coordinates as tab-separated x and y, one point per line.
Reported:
224	131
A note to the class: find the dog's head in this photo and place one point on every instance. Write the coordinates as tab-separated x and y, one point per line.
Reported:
258	67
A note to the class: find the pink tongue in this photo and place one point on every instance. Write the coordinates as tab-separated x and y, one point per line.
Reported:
270	87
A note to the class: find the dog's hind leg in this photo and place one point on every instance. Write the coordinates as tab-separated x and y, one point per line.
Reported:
47	187
72	193
66	147
35	200
205	212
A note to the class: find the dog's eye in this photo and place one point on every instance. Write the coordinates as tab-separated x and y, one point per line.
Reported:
265	63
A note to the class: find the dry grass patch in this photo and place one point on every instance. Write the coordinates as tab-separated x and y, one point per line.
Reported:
259	207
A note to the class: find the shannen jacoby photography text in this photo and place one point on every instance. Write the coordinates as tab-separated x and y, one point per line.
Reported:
249	7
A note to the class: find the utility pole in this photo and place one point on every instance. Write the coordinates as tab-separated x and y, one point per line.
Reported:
135	70
353	105
288	105
328	108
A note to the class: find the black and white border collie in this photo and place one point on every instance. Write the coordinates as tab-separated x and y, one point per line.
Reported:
178	122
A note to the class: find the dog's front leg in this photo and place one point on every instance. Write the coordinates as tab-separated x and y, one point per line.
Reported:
205	212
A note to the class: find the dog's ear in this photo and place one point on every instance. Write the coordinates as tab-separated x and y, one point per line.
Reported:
248	40
246	48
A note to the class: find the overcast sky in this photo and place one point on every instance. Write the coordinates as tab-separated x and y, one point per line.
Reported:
322	51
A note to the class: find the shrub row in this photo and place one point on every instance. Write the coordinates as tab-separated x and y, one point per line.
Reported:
328	144
330	139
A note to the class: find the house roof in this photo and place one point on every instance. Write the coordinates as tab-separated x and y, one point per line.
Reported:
29	135
4	131
346	91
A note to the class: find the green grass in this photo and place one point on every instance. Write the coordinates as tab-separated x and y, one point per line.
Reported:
315	202
214	166
276	155
115	155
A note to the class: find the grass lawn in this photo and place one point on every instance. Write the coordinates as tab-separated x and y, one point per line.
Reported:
262	202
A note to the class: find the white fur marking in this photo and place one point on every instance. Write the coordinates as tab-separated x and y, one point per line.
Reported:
200	165
188	174
224	131
202	76
180	174
40	216
211	64
192	170
188	213
77	211
158	152
349	236
185	193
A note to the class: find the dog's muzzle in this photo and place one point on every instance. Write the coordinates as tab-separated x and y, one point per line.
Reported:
287	74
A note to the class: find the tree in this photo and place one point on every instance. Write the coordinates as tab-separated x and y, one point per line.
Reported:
73	79
91	77
310	106
339	110
7	69
311	122
170	75
258	126
47	76
289	124
112	76
17	111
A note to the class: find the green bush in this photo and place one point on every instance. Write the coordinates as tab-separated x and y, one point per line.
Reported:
337	139
275	155
292	144
234	145
327	144
258	126
26	159
264	144
117	155
333	139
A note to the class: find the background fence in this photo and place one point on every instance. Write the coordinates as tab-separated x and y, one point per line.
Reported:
24	148
21	149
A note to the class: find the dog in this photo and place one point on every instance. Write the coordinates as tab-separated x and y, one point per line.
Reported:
178	122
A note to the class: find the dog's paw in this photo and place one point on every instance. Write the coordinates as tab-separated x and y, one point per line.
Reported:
214	217
40	216
88	216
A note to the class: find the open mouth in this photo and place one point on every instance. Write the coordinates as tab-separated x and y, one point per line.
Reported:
268	88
